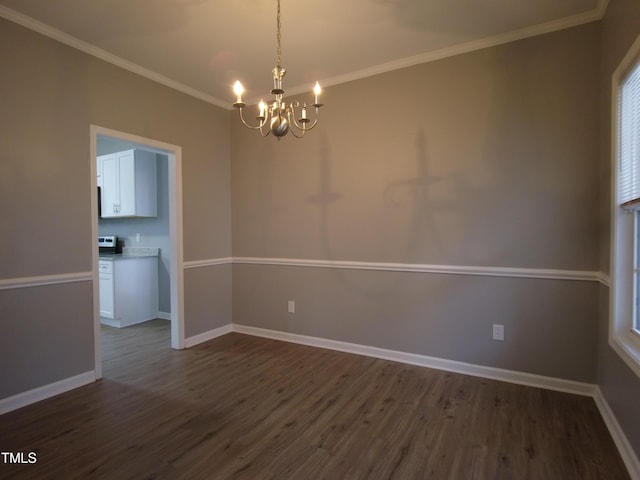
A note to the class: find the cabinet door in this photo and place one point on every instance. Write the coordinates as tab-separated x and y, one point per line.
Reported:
136	290
128	186
110	194
107	303
127	183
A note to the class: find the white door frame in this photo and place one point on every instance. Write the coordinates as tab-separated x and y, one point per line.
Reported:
174	153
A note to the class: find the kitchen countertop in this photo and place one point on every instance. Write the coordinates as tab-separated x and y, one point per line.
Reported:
123	256
131	252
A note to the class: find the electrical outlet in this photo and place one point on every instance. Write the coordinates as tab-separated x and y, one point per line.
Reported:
498	332
291	306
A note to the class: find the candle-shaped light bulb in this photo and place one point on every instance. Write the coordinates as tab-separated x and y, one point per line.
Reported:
238	89
262	107
304	111
317	90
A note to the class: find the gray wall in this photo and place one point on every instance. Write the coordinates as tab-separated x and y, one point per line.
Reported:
445	316
484	159
620	386
494	158
51	94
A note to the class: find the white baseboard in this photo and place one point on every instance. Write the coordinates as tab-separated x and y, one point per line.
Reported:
164	315
624	447
110	322
586	389
206	336
521	378
627	453
46	391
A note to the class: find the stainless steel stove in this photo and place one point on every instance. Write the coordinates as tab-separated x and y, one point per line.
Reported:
109	244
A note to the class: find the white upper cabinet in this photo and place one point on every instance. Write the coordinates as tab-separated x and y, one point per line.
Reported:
128	184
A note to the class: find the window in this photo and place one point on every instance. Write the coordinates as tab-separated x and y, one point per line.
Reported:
635	327
625	288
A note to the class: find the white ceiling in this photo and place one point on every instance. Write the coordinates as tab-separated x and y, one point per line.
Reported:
202	46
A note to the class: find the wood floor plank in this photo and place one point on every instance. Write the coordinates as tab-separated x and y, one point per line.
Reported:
241	407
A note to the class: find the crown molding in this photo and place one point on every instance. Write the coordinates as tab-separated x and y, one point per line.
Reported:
90	49
492	41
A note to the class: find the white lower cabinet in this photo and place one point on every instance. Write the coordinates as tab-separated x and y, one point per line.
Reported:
128	290
105	275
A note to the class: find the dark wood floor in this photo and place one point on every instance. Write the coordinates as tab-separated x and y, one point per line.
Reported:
249	408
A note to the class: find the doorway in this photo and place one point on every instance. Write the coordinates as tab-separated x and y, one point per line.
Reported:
172	154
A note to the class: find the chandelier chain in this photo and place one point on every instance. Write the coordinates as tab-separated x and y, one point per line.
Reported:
278	38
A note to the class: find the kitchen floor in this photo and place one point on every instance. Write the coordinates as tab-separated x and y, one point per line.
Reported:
134	342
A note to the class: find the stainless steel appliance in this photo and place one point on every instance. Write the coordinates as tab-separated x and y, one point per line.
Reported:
109	244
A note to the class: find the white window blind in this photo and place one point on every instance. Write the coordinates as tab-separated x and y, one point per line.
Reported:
629	139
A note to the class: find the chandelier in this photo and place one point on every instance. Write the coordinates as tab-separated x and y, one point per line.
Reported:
280	117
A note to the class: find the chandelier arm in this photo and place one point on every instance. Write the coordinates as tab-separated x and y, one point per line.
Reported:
315	122
259	127
304	126
292	113
293	132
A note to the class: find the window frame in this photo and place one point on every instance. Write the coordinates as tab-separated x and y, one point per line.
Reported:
635	321
624	336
